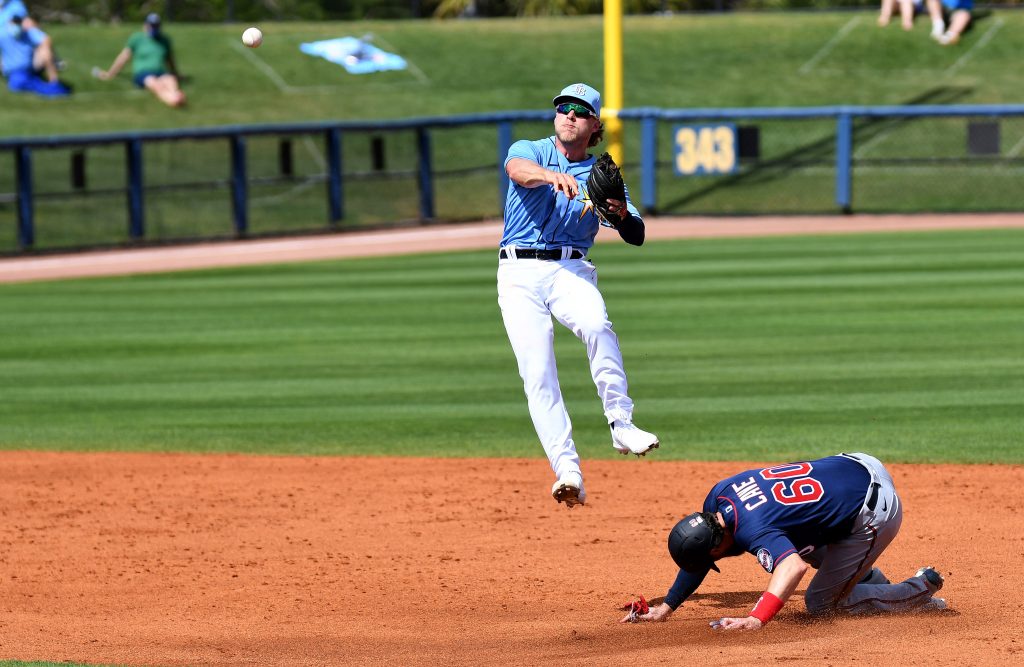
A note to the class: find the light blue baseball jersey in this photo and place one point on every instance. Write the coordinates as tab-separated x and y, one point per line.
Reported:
543	218
16	50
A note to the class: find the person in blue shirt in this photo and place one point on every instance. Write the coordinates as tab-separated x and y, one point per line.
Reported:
12	9
836	515
26	55
543	272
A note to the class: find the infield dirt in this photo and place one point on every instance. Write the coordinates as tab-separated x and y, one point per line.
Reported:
144	559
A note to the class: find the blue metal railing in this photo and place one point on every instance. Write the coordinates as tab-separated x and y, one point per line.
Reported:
333	132
844	115
236	134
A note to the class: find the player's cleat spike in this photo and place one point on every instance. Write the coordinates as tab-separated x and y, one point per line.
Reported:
933	604
569	490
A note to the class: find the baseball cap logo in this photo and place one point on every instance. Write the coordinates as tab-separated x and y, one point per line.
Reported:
580	93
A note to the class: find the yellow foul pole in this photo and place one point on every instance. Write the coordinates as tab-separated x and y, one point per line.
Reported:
612	102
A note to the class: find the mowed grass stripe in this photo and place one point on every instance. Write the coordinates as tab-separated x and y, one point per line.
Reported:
906	345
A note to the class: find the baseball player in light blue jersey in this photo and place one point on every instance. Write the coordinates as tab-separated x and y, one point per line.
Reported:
543	272
836	515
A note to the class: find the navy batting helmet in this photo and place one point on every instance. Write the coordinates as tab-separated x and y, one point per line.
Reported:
692	540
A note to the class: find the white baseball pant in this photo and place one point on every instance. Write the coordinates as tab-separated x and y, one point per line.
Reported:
530	292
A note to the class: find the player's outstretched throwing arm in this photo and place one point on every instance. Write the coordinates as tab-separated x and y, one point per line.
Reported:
529	174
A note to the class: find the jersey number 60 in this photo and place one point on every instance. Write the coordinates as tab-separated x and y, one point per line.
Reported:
798	487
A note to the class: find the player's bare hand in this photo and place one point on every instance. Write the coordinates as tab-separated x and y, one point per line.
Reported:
617	207
748	623
656	614
563	183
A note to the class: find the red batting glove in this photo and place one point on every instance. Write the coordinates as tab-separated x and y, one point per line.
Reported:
636	608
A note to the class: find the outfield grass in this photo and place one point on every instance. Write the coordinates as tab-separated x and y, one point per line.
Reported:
905	345
477	66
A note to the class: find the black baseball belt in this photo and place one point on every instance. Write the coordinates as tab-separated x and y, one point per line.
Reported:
537	253
873	496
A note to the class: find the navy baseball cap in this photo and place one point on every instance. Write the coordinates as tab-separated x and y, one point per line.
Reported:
582	93
152	19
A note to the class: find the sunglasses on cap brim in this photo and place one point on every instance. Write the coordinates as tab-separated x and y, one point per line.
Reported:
581	111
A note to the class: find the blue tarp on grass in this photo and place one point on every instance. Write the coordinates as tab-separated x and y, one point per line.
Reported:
356	55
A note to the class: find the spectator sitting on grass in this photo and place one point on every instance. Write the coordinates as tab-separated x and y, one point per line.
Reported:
907	9
959	19
27	55
153	64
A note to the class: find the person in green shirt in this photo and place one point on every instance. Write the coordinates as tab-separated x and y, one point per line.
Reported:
152	60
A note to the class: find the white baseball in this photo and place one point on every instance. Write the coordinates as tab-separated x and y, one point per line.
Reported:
252	37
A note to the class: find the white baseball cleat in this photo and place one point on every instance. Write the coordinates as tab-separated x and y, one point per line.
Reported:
933	604
569	490
628	439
